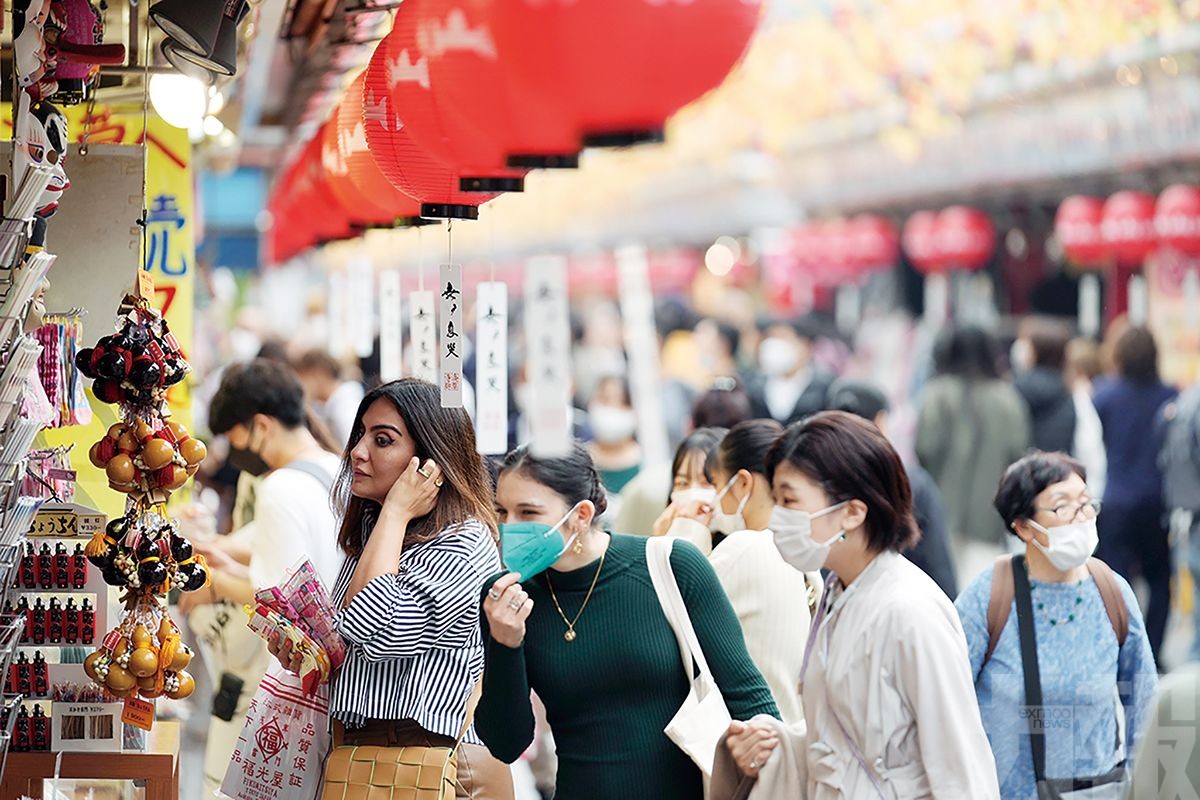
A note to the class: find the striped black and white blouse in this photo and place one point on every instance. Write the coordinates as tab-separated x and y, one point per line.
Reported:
414	647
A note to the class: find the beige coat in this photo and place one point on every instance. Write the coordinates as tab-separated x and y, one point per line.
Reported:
889	669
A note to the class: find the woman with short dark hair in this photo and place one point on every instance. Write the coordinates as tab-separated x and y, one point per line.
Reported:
1077	605
888	700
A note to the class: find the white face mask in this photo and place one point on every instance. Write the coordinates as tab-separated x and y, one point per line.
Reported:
792	530
612	424
697	495
778	357
728	523
1071	545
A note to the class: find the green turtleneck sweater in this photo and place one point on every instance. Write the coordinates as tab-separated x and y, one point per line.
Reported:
609	693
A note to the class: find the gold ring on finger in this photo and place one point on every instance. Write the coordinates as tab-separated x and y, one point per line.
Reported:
424	472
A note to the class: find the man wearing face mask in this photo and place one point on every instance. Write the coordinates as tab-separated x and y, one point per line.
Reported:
1089	645
259	408
791	388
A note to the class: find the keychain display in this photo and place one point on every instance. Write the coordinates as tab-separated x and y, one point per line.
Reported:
47	571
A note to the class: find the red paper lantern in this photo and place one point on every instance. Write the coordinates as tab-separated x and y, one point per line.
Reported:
476	92
360	209
314	207
472	152
617	69
409	168
919	240
1177	219
1077	226
836	249
398	209
1127	227
874	242
965	237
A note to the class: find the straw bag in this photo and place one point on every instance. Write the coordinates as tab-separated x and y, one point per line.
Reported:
412	772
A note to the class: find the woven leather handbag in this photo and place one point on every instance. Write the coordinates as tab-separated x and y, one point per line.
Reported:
391	773
412	772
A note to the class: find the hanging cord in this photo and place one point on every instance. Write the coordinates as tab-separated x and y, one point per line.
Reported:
449	241
143	222
420	262
491	248
86	136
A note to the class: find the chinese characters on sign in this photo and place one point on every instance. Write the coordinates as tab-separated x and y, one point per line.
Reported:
391	337
491	369
423	333
548	337
162	222
452	339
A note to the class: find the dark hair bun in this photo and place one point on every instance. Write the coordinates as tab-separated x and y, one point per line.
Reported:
599	495
572	477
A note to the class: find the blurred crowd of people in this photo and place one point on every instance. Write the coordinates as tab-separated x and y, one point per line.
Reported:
988	446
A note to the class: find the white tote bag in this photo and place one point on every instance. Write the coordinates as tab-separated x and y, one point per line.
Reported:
702	721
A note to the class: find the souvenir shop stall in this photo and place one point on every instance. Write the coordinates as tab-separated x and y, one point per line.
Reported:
93	416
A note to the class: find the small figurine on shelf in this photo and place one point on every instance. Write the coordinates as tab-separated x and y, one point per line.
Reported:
22	736
79	568
40	735
45	567
23	610
39	622
55	628
24	675
71	622
29	568
41	675
62	567
87	623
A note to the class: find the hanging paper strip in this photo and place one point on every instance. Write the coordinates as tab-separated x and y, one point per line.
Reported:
548	337
423	332
336	298
641	343
491	369
452	339
391	336
360	320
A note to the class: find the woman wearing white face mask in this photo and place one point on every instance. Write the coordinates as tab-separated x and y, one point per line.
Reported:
613	421
771	599
693	496
888	699
1090	642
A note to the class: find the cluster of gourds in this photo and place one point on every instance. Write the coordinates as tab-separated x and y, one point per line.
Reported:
145	456
132	662
140	458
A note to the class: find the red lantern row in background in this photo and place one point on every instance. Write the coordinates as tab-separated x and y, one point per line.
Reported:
958	237
842	251
1129	226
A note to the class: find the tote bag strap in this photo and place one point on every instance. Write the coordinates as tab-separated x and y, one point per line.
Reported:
658	559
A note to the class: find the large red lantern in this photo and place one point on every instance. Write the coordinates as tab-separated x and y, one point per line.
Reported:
475	91
919	239
314	206
617	69
362	171
1077	226
1127	227
965	237
360	209
409	168
1177	219
874	242
434	125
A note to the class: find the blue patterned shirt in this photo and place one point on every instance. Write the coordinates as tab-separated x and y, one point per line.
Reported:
1083	674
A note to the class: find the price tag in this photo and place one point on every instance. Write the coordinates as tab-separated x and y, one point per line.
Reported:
91	524
145	286
138	713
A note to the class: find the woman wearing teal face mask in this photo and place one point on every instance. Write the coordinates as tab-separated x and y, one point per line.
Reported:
589	636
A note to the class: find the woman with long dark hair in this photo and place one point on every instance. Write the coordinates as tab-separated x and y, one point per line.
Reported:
419	534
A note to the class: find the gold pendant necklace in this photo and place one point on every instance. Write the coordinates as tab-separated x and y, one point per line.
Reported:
570	623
